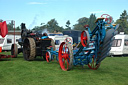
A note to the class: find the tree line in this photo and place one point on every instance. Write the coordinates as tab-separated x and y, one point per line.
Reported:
53	26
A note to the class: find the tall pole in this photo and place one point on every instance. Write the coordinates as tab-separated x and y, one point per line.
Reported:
14	39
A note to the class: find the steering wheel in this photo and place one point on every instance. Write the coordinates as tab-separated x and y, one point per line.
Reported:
68	40
108	18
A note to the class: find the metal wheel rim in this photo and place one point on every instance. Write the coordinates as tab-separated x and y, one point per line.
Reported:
48	56
65	56
85	38
92	65
29	49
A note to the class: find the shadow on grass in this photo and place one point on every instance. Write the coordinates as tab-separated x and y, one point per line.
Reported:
39	59
118	56
53	62
85	68
5	59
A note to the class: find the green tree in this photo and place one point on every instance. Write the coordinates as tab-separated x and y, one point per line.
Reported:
67	25
36	28
10	26
124	15
80	25
52	26
91	21
44	26
17	28
123	22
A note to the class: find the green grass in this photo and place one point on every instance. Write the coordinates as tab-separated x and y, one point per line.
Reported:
17	71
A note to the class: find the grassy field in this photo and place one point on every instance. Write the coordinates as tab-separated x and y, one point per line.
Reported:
17	71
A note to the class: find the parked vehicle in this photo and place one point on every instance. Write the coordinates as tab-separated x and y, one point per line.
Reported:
59	39
119	45
33	44
7	41
54	34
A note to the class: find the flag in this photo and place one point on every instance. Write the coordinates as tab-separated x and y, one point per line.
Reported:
3	29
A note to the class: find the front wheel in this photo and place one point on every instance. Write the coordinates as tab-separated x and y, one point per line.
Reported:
48	56
65	56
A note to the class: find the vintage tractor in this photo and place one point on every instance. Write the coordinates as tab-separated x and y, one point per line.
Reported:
91	50
34	44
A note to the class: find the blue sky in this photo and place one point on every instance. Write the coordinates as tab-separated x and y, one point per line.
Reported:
35	12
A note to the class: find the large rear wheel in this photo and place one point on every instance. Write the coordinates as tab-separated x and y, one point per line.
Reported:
29	49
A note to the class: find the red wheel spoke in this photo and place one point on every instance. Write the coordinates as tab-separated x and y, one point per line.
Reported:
68	56
67	63
63	56
64	62
85	38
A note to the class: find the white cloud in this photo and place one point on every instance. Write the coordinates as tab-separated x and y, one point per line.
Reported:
32	3
95	12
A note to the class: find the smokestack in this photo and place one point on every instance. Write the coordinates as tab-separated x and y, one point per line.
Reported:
23	26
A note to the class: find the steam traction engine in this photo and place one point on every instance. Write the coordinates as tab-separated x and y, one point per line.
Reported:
34	44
